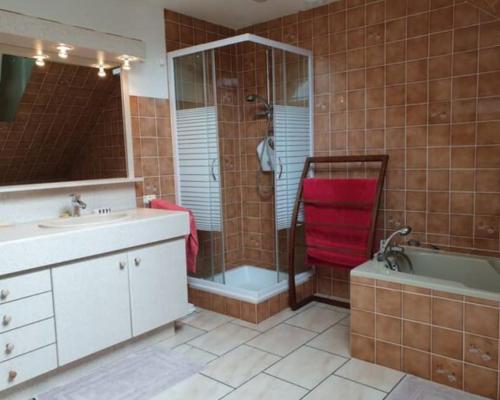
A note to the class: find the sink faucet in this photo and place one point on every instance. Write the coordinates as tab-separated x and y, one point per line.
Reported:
386	249
78	204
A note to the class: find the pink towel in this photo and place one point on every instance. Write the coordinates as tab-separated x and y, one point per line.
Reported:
192	244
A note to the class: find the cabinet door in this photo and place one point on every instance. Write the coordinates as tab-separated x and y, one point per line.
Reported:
92	309
158	285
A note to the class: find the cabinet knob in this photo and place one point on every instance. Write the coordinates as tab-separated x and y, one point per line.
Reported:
122	264
137	261
12	375
4	293
9	348
6	319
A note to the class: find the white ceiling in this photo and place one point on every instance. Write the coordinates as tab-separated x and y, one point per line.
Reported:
238	14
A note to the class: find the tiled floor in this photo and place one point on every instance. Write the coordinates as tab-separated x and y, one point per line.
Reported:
293	355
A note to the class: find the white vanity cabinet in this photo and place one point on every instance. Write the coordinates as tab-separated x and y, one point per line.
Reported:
108	299
67	294
91	302
158	283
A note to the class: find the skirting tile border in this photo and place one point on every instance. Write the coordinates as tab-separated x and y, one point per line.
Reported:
250	312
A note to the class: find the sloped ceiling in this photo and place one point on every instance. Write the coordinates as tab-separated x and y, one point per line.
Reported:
60	106
491	7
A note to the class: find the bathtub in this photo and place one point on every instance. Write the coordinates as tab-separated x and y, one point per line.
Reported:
448	272
439	321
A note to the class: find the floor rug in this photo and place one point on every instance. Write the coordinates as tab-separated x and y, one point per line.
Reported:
137	376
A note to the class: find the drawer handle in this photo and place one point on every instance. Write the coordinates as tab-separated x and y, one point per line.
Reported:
4	293
12	375
122	264
9	348
6	320
137	261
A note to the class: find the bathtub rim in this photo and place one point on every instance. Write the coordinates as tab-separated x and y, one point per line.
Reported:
373	269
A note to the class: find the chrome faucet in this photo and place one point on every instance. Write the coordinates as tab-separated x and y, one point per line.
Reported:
387	250
78	204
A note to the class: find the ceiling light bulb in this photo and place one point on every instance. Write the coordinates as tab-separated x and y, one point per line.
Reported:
40	60
102	72
63	51
126	64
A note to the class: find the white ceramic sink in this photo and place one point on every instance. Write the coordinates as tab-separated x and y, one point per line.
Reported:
87	220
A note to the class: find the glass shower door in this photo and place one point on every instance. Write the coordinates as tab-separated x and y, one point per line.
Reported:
199	178
292	131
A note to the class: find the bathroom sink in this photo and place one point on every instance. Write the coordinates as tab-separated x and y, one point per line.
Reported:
88	220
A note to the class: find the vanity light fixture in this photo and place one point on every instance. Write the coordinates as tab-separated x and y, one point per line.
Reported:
63	50
126	60
40	59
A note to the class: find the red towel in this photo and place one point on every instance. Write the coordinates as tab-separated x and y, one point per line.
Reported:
192	245
343	228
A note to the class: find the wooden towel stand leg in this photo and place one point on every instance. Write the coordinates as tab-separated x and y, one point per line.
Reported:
292	293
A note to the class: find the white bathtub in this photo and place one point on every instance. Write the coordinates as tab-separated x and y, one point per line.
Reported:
449	272
247	283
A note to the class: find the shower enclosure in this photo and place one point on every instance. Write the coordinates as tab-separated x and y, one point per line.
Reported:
242	122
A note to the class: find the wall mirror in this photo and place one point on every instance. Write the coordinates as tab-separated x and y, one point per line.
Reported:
59	122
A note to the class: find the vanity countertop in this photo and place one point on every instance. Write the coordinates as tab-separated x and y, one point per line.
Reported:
28	246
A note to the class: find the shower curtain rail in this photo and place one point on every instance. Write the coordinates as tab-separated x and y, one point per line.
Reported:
367	253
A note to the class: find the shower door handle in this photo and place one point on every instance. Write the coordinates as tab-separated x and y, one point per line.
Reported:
212	170
281	168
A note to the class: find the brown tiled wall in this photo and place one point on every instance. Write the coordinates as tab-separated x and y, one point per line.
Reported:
102	152
417	80
152	144
440	336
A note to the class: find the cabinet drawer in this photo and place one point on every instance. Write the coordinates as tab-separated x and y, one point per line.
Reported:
25	311
28	338
27	366
24	285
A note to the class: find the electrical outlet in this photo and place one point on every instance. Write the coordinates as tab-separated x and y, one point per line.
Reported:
102	210
148	198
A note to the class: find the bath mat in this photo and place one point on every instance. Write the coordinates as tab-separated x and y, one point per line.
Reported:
137	376
413	388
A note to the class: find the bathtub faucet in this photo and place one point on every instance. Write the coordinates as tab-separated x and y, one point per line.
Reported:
386	248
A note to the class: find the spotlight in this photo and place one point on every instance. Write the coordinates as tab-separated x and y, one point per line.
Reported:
63	50
40	59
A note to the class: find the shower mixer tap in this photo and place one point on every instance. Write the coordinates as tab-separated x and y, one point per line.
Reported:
387	250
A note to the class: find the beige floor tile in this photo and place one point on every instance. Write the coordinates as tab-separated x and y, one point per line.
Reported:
316	318
206	320
265	387
268	323
334	340
335	308
336	388
198	387
282	339
239	365
306	366
346	321
194	355
183	333
376	376
223	339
